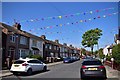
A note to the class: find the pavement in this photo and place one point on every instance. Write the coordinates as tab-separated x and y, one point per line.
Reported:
112	73
4	73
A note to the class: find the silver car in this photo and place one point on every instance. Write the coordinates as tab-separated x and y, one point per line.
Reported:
28	66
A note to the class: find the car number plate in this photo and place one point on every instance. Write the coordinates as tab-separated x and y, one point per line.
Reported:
92	68
16	65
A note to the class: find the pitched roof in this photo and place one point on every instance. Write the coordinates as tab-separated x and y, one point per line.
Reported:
1	26
110	47
51	42
33	36
14	30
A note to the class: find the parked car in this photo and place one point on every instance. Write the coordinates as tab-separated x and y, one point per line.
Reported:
27	65
67	60
78	58
74	58
89	57
92	68
83	57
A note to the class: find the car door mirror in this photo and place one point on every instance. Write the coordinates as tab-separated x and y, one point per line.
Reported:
40	62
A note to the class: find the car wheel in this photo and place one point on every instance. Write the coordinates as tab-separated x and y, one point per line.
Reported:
82	76
45	68
29	71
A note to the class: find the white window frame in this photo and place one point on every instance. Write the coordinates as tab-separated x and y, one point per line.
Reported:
12	38
34	43
54	47
23	40
46	46
23	51
50	46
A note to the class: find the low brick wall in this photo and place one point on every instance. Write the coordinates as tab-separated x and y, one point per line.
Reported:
108	63
115	65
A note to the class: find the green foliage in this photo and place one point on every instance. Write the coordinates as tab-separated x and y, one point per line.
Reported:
101	55
91	37
108	57
83	51
116	53
36	57
96	52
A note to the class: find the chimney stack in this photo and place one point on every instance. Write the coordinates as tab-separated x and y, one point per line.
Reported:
71	45
57	41
17	26
65	44
43	37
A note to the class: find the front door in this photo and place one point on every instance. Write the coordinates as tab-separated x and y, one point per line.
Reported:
11	55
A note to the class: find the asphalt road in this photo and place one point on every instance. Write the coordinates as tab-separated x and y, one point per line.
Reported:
62	71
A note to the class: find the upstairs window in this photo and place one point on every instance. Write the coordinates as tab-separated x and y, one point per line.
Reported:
55	47
34	43
12	38
46	46
23	40
50	47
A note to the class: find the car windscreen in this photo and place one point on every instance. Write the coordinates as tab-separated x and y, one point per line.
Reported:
92	63
19	62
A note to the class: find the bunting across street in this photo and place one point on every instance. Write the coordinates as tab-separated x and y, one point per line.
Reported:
60	32
67	15
76	22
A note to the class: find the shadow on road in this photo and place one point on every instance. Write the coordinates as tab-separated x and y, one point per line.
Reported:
34	73
91	78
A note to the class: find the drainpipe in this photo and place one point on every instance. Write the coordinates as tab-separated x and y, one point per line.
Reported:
17	49
0	48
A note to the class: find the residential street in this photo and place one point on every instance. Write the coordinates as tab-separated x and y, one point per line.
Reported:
47	40
62	70
70	70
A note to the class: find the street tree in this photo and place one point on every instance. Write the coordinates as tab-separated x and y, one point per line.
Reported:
95	53
116	53
83	51
91	37
100	53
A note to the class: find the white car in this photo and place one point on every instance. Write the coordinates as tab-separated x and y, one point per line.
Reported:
28	66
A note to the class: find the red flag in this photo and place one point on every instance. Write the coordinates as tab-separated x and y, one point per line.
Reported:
98	16
97	10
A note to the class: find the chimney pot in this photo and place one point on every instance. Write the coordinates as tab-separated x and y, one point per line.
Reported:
57	41
17	26
43	36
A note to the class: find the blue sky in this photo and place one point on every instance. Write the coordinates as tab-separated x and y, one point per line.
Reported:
70	34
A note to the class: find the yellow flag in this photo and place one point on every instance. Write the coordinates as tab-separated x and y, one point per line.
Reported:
60	17
81	21
60	24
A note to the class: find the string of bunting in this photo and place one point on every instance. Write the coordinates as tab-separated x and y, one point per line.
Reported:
59	32
76	22
69	15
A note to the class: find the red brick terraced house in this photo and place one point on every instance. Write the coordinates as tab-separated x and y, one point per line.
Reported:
15	43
